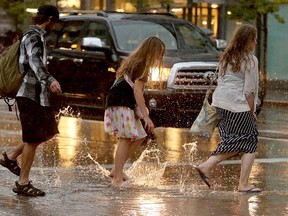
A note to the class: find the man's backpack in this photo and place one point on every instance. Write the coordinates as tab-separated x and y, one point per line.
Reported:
10	76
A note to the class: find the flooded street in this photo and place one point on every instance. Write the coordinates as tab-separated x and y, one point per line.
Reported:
73	170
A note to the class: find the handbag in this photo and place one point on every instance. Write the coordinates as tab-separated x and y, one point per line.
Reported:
207	120
137	111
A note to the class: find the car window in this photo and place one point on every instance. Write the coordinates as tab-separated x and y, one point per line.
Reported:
191	39
70	35
52	37
129	34
99	31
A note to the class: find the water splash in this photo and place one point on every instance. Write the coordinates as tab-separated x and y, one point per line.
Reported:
190	150
67	112
149	170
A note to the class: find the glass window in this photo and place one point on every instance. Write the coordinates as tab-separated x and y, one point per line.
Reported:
70	35
191	39
52	37
130	34
99	31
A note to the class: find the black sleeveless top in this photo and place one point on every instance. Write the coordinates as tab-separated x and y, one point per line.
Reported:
120	94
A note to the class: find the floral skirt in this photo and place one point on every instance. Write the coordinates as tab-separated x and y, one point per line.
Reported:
122	123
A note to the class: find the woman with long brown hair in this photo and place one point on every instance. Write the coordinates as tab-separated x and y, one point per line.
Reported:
127	92
235	99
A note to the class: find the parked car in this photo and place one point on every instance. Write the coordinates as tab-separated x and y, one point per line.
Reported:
86	50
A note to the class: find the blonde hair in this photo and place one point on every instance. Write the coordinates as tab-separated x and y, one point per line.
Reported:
149	54
238	49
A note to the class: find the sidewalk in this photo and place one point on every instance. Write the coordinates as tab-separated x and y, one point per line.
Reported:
276	96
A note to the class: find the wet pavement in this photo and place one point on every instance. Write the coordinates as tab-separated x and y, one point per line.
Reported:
73	171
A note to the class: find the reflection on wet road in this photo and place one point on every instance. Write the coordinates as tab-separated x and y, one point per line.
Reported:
73	170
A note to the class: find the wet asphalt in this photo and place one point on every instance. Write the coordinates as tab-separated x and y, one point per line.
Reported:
73	171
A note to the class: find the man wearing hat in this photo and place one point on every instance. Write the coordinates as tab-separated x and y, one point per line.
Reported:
36	116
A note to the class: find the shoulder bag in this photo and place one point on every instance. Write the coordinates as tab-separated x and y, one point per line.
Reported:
207	120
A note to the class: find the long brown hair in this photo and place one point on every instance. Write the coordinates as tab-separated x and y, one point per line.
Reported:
149	54
238	49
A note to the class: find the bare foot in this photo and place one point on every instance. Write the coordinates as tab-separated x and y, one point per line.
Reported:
125	177
203	177
203	170
117	184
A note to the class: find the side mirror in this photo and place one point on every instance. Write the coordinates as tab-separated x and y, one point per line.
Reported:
91	42
94	44
221	44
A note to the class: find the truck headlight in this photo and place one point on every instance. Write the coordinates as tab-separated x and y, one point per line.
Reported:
159	75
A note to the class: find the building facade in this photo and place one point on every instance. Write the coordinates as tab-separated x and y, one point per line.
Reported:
277	64
209	14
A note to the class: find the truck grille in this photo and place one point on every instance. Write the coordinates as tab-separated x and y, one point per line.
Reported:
193	78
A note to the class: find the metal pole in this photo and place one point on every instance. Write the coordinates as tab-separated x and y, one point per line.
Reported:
189	6
85	5
110	5
222	20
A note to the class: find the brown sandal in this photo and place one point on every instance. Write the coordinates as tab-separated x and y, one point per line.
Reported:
11	165
27	190
202	176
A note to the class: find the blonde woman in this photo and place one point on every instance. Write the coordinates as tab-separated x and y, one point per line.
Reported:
235	100
123	96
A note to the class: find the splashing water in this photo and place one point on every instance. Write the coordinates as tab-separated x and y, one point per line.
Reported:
191	149
147	171
150	172
75	139
67	112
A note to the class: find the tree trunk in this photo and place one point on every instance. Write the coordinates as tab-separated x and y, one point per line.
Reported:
265	38
259	31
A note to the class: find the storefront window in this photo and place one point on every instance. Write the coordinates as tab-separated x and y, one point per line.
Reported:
203	14
206	15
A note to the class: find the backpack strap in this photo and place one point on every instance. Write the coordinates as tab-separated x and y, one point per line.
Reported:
7	101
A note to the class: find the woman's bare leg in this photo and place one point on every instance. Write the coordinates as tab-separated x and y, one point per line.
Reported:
132	148
121	155
247	161
213	161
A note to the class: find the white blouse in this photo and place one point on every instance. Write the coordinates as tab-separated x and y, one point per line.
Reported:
232	87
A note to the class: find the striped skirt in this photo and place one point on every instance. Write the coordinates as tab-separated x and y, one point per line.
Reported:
238	132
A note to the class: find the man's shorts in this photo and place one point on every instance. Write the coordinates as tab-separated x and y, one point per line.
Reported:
38	122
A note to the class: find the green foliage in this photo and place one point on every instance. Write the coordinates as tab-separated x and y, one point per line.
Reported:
16	10
248	10
139	4
144	4
166	2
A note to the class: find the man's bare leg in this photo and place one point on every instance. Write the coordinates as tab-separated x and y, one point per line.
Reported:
28	155
14	153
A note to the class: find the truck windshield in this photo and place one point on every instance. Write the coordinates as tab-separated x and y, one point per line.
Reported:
129	34
191	39
176	36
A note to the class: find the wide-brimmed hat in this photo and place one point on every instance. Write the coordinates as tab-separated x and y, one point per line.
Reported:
49	10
